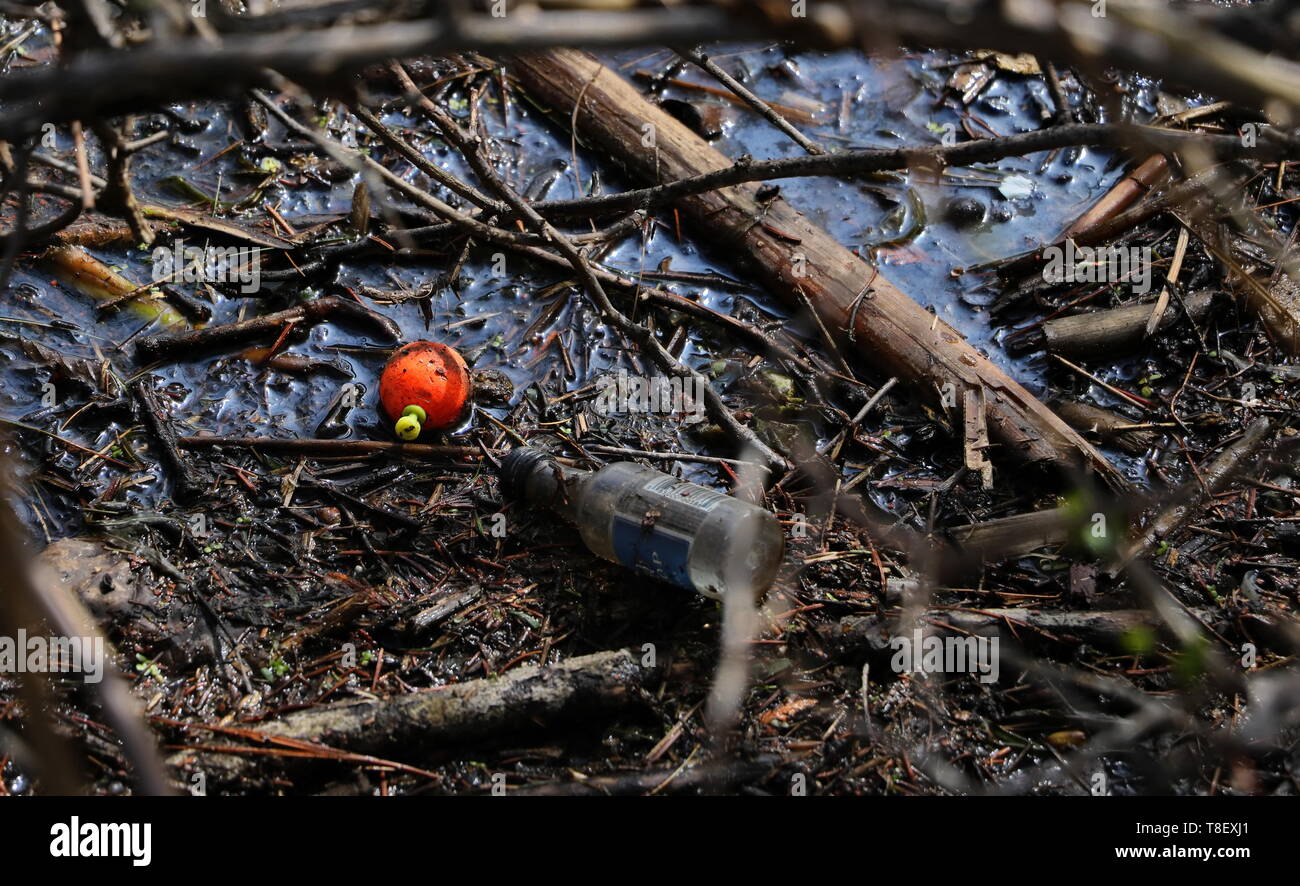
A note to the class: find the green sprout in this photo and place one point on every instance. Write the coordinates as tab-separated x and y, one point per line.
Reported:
277	668
1138	640
148	667
1191	662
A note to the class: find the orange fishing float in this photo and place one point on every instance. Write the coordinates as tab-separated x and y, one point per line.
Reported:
425	385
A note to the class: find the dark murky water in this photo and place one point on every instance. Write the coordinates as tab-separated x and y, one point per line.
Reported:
871	103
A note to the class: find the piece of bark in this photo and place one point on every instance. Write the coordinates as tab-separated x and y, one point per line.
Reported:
424	621
1013	536
100	578
976	437
800	260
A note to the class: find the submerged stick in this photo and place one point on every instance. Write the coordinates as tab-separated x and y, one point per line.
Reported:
735	97
766	110
92	277
161	347
333	448
1012	536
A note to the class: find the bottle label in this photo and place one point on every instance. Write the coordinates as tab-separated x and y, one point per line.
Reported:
654	528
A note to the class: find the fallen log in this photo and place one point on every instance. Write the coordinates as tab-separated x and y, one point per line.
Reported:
799	260
489	706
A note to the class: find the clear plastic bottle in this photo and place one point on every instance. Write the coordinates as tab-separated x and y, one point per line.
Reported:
677	531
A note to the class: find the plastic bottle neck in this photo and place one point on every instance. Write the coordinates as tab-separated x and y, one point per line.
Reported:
535	477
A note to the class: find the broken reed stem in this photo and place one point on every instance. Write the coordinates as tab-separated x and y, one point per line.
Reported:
157	419
1106	332
1127	191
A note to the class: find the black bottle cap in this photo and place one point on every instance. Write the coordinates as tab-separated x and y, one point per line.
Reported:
516	467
